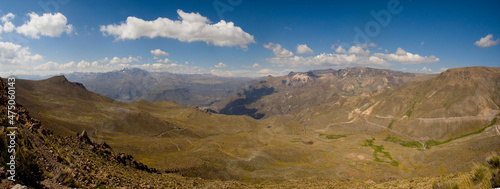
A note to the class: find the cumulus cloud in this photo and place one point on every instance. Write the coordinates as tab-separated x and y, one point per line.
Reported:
124	60
172	68
7	26
278	50
425	69
229	73
358	50
166	60
266	72
220	65
486	41
303	49
248	73
252	66
7	17
11	53
443	69
191	27
48	24
51	68
325	60
340	49
158	52
404	57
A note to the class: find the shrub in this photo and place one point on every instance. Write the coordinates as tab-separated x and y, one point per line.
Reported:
66	178
493	161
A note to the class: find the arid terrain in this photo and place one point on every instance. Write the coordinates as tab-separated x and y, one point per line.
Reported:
349	128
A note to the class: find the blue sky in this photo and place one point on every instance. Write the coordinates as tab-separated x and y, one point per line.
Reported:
245	38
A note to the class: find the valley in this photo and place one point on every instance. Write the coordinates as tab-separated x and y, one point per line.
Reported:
364	126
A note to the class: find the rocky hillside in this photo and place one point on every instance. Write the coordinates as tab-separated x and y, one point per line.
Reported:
456	102
132	84
298	91
45	160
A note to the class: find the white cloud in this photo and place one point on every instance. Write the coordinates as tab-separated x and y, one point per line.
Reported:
266	72
372	44
50	68
124	60
83	64
358	50
220	65
53	66
486	41
325	60
7	26
401	52
303	49
248	73
16	54
252	66
340	49
278	50
158	52
422	43
191	27
7	17
229	73
443	69
166	60
404	57
425	69
172	68
52	25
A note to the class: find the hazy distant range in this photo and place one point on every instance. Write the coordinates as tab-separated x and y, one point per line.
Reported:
187	89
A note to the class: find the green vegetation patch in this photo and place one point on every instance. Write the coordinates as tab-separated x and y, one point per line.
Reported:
409	144
410	111
435	143
328	136
296	140
391	123
379	154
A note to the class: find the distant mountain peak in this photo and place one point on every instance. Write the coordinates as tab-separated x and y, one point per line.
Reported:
58	78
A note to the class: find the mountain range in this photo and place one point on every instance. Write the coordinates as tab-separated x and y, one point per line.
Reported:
353	127
131	84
